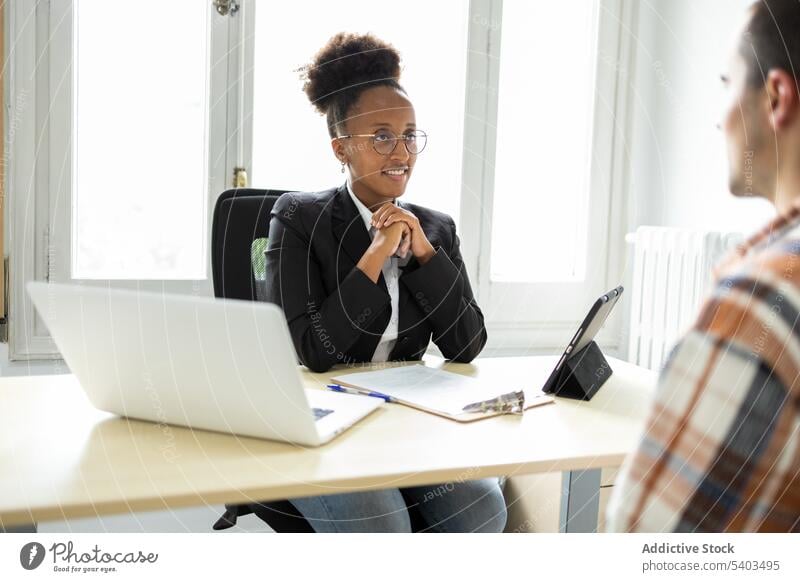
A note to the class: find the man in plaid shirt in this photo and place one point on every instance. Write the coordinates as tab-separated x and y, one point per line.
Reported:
721	449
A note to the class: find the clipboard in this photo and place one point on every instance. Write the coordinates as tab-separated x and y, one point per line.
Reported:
453	396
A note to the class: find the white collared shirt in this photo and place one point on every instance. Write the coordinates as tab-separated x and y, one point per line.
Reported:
391	274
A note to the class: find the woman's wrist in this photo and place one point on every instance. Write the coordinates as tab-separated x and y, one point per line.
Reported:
427	254
371	264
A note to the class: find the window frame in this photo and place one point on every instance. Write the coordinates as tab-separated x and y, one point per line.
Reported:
536	331
40	219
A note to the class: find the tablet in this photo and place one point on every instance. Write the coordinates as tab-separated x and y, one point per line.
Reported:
588	329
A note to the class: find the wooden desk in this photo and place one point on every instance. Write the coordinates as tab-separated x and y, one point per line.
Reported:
61	458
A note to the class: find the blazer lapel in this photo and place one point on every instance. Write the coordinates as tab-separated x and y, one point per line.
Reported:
348	228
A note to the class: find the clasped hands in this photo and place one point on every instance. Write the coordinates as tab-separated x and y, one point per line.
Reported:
398	232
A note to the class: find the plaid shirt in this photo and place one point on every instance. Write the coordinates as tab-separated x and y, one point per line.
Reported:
721	449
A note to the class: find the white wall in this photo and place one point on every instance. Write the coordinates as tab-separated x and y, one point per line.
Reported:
678	162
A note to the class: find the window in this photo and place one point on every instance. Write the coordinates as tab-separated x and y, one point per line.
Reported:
543	128
140	154
128	136
544	136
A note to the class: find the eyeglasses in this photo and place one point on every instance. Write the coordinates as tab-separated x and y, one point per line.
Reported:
384	141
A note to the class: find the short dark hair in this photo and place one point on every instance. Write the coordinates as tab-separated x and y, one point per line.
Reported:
772	40
343	69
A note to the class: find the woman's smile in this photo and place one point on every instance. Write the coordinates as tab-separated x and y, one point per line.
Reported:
396	173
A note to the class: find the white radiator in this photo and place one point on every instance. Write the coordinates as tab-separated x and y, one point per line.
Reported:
672	273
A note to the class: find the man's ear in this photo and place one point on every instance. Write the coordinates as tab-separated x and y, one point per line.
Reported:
782	92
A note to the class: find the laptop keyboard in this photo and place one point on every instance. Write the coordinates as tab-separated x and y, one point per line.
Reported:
320	413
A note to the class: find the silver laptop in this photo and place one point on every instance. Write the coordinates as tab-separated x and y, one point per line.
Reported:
194	361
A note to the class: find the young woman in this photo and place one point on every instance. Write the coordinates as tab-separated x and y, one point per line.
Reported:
363	277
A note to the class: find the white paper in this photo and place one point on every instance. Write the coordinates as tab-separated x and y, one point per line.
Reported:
428	387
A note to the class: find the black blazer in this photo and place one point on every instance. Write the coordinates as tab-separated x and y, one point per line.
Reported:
336	314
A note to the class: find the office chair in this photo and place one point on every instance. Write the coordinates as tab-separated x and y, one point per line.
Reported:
241	217
238	231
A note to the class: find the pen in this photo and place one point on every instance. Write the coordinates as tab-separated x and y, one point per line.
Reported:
345	390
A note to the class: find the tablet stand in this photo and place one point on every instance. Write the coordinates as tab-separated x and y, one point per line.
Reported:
583	374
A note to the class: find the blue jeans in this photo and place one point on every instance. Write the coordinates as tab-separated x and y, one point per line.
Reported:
471	506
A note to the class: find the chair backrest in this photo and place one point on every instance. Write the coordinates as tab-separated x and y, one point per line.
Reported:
241	217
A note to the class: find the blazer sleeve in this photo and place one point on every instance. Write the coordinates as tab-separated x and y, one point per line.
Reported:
323	326
441	289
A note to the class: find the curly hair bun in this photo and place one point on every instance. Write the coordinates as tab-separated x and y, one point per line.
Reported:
349	61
